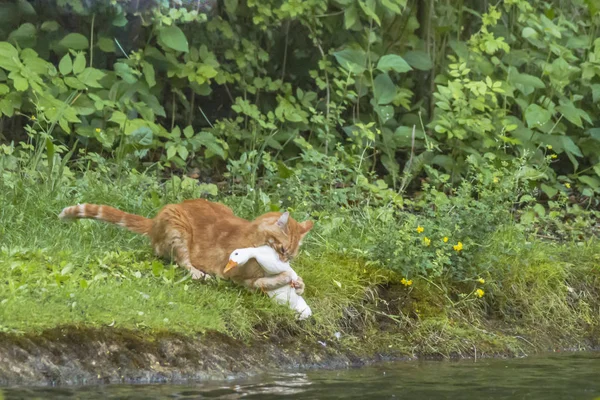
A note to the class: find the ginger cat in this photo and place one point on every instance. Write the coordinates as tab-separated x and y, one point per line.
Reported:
200	235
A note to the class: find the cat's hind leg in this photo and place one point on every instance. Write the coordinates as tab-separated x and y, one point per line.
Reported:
177	247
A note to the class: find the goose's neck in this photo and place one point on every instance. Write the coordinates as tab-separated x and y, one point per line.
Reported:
256	252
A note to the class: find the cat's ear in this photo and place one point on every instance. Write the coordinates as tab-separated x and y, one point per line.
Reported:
306	226
283	220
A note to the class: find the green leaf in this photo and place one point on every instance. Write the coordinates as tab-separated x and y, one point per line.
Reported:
590	181
392	5
4	89
524	82
549	190
385	113
118	117
65	66
393	61
354	61
536	116
148	70
74	83
75	41
384	89
24	36
125	72
231	6
369	7
550	27
173	38
528	32
594	133
120	20
183	152
171	151
9	57
50	26
208	140
188	132
528	217
26	8
418	59
107	45
572	113
539	210
283	171
19	82
91	76
79	64
350	17
570	146
142	136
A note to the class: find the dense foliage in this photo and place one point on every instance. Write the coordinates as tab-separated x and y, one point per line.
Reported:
398	84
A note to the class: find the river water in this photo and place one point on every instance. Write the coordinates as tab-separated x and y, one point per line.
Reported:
549	377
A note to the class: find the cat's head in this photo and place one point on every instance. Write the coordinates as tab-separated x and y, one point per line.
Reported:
283	233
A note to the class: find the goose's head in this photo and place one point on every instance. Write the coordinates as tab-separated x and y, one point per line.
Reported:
238	257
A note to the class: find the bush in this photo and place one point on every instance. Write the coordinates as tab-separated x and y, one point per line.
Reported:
205	84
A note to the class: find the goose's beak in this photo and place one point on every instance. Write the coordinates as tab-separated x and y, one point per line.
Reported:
231	264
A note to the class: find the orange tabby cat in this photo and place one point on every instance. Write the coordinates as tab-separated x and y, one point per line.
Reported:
200	235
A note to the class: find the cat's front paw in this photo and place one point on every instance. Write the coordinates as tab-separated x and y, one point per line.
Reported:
298	284
197	274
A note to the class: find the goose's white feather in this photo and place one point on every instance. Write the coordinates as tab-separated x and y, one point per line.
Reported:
272	265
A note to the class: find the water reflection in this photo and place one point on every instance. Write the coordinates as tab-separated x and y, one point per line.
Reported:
553	377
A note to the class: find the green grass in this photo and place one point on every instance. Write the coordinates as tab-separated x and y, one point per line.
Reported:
95	274
537	294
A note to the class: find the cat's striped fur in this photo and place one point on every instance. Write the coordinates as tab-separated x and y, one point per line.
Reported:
199	235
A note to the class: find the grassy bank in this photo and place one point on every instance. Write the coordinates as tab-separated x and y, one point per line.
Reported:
535	294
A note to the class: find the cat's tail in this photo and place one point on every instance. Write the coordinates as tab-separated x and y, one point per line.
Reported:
135	223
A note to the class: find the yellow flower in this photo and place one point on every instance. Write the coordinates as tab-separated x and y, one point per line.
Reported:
553	156
406	282
426	241
481	280
98	130
33	118
568	185
445	239
549	146
496	180
420	229
458	246
479	293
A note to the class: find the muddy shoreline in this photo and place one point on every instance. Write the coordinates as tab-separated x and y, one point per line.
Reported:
90	356
87	356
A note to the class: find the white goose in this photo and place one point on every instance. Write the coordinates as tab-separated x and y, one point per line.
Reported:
272	265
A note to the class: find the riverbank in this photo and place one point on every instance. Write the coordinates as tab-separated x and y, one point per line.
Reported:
87	302
374	326
86	355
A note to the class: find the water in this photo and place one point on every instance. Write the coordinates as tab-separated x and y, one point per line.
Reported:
551	377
